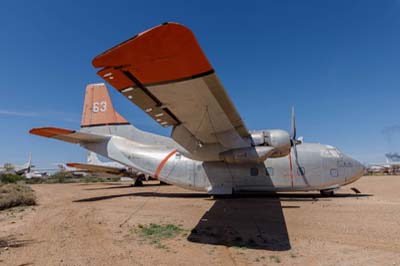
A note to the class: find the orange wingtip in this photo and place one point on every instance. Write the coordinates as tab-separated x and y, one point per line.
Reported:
164	53
50	131
72	164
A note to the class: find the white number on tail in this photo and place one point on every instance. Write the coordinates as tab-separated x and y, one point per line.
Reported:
99	107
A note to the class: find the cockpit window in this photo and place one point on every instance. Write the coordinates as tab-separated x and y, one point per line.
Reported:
331	152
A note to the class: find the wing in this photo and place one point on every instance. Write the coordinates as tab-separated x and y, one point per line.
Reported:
165	73
67	135
98	168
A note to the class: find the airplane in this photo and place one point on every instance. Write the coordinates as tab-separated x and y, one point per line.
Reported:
17	169
165	73
96	166
64	168
391	166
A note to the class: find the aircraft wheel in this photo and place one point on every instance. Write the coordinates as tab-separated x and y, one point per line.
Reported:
138	182
327	193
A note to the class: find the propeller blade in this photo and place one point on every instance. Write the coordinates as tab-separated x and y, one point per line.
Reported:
293	126
294	146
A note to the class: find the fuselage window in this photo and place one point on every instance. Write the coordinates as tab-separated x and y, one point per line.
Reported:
269	171
254	171
334	172
178	155
301	171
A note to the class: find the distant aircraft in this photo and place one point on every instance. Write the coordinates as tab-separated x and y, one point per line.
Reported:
94	165
64	168
165	73
17	169
391	166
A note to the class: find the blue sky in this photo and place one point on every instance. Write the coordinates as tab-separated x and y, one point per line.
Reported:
338	62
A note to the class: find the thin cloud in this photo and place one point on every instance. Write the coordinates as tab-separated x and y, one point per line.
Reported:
18	113
68	117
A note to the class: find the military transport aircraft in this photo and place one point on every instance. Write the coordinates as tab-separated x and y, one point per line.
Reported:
164	71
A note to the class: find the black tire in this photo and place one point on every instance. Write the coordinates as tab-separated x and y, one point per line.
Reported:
327	193
138	182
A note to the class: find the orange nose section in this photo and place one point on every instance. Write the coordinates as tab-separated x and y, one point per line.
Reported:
98	109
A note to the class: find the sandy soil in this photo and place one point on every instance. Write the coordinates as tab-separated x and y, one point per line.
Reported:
94	224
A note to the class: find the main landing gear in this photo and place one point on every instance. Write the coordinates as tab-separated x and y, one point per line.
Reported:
327	193
139	181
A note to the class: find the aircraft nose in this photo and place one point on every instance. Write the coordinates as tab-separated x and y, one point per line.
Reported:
358	170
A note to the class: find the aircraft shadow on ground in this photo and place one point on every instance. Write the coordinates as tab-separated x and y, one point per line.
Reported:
12	242
122	186
317	197
254	223
146	194
280	196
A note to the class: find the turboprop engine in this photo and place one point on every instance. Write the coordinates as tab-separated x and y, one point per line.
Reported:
276	138
267	144
272	143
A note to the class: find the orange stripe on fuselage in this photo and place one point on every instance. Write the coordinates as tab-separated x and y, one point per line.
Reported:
163	162
291	168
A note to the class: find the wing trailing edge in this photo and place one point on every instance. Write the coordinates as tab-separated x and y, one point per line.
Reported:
98	168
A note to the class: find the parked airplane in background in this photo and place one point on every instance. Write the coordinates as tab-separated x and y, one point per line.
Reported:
390	167
164	72
17	169
94	165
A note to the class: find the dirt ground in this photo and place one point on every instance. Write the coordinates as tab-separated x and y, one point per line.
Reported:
96	224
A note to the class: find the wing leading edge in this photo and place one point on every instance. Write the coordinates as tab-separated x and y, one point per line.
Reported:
165	73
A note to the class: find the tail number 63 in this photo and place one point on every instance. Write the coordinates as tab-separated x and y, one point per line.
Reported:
99	107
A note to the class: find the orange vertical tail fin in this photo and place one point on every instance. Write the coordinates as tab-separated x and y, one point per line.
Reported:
98	109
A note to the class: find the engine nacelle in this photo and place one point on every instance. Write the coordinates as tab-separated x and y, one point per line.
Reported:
247	155
280	140
276	138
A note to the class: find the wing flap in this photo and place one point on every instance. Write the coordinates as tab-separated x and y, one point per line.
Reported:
151	105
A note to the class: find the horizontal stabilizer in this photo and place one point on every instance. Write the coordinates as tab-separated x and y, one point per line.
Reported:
97	168
67	135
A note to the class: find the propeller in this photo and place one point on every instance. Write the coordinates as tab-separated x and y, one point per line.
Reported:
293	127
295	142
293	133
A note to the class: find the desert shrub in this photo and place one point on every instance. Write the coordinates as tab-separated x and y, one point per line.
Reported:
69	178
155	233
10	178
12	195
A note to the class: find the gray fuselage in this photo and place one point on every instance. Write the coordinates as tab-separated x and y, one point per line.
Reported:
319	167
